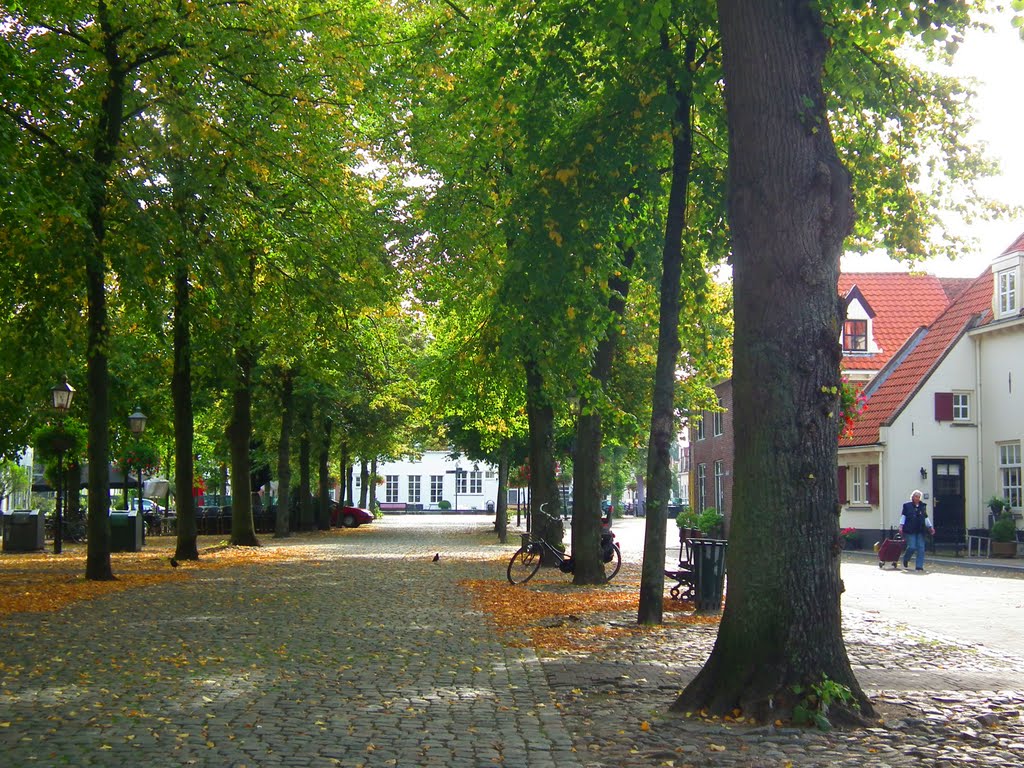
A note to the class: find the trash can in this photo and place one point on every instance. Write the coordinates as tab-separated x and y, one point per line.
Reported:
125	532
709	573
24	530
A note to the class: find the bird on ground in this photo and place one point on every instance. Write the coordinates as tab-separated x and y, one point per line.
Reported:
437	556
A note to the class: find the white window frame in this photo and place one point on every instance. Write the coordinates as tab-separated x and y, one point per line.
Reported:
414	489
476	482
1010	472
461	481
857	480
700	427
720	485
1007	296
391	489
436	488
961	406
702	490
716	421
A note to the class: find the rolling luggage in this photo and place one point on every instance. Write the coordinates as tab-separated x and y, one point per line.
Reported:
889	551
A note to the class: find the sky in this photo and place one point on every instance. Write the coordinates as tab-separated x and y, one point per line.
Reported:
996	62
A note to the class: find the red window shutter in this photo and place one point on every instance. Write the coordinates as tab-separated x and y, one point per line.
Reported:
943	406
873	484
844	497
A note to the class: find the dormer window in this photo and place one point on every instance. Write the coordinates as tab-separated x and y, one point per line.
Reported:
855	336
1007	295
857	325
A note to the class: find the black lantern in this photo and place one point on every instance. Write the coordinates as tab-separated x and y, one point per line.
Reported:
62	395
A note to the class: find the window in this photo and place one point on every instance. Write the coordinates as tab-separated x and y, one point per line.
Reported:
1007	289
700	427
857	477
961	406
720	485
1009	473
716	421
855	336
476	481
414	489
391	488
460	480
436	488
702	491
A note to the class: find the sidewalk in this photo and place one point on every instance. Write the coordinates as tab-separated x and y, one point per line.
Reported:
361	651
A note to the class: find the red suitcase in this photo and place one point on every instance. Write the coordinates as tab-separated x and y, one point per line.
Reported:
889	551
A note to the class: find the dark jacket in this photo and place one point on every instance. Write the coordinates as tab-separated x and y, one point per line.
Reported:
915	517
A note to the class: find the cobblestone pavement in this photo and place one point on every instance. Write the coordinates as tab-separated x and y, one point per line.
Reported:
370	654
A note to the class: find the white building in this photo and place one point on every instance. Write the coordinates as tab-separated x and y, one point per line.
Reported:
428	481
946	415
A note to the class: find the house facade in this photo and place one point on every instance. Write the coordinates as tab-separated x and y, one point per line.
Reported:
883	309
432	481
945	415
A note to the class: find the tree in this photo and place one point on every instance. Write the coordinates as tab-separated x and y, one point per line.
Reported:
790	210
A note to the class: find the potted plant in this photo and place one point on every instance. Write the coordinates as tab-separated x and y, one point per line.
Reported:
849	538
711	523
997	505
1004	535
687	521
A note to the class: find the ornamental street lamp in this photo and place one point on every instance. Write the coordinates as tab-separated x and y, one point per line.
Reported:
137	425
62	395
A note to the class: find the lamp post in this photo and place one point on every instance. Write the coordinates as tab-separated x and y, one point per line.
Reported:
62	395
137	425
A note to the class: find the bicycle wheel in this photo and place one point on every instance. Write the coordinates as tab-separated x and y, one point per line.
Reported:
523	565
615	563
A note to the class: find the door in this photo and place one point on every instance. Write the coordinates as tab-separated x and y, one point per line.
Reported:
948	504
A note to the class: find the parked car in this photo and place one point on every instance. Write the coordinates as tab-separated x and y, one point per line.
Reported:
155	518
349	517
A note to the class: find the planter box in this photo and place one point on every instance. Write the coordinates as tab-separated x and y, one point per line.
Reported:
1004	549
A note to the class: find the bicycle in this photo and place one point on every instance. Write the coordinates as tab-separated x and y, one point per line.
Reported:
526	560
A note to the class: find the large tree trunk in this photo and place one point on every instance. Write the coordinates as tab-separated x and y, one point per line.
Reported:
344	474
663	421
323	512
373	484
186	547
305	522
790	210
108	139
586	514
284	458
364	482
545	520
239	432
501	503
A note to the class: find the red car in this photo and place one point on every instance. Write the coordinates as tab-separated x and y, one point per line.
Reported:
349	517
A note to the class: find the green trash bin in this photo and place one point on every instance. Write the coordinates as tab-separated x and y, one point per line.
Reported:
24	530
708	573
125	532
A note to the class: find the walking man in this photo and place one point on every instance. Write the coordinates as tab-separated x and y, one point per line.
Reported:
913	524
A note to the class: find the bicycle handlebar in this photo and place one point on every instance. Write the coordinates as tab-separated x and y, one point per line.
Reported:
544	512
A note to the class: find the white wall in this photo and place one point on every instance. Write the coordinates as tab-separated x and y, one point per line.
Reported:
438	463
1001	355
915	438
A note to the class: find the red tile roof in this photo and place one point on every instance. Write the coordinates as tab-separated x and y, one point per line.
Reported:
1016	245
892	395
902	303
